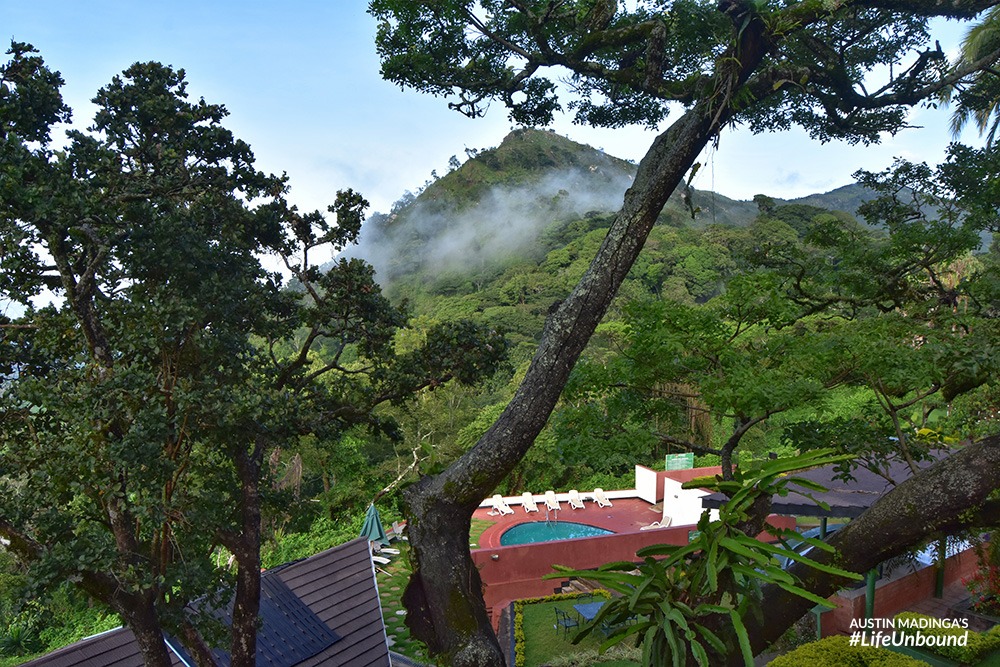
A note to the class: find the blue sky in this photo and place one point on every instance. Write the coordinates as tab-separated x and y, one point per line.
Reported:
300	79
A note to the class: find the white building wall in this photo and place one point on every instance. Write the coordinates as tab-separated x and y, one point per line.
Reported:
683	506
645	484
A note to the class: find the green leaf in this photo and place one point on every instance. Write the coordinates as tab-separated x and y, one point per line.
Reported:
803	593
712	566
743	638
699	653
741	547
717	644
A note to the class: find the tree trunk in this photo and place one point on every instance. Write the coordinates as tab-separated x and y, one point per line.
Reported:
440	545
141	619
246	606
448	611
947	497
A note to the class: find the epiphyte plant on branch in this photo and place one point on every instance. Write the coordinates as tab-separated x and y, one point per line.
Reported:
767	65
679	599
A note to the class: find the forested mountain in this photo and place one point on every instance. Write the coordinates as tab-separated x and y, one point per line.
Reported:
502	239
508	204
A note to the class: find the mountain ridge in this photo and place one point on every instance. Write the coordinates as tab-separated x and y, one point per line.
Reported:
496	206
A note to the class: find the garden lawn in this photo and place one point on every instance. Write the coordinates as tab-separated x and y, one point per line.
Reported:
544	643
478	526
392	579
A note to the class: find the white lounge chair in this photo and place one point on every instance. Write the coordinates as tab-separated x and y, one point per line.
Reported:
380	560
662	523
575	501
397	530
551	502
500	506
601	499
528	502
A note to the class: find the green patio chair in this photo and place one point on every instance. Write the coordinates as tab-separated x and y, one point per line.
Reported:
565	621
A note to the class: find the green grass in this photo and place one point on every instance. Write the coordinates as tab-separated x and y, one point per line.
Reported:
544	644
18	660
392	580
478	527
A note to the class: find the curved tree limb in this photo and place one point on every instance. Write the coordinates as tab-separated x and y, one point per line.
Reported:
947	497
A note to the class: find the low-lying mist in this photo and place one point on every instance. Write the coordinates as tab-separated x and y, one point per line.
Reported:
433	235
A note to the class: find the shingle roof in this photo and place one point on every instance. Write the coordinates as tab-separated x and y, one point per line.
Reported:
115	648
323	610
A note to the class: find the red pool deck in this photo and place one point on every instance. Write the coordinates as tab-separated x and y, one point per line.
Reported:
524	570
626	515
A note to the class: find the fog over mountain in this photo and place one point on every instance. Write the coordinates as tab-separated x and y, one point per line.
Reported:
493	207
503	221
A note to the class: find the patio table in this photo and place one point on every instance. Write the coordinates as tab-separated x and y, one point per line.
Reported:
589	610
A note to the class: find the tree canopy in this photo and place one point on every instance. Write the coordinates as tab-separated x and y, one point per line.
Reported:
157	365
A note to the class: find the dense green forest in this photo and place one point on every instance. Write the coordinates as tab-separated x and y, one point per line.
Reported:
716	343
705	349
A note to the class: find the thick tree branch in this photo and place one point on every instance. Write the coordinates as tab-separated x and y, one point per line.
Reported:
444	585
947	497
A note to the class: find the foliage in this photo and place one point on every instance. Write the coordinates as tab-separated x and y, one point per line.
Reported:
84	621
322	534
628	64
142	402
837	651
45	624
978	99
20	638
682	595
984	583
977	645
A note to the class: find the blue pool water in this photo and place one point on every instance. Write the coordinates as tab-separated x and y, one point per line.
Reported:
540	531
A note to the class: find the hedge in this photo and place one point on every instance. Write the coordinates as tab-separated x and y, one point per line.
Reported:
837	652
979	644
519	617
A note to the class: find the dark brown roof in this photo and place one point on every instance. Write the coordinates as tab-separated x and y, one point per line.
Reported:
115	648
340	589
323	610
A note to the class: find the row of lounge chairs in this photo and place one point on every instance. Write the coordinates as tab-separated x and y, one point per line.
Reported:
500	506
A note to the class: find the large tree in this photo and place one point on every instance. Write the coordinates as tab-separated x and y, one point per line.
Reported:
140	404
846	69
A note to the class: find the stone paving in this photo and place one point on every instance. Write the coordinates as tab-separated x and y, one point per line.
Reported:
941	607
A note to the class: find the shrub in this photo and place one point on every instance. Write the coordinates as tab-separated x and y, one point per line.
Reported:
838	652
978	645
20	638
984	585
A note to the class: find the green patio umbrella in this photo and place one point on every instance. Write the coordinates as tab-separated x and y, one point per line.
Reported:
372	527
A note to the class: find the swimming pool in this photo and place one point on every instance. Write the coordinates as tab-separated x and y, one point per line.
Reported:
542	531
